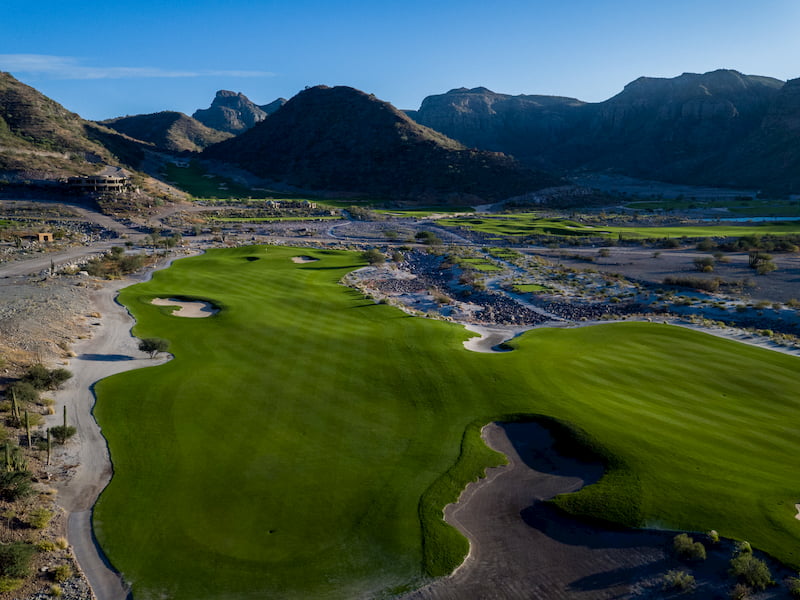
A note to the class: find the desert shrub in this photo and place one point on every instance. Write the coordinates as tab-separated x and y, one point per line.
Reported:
428	237
38	376
707	285
373	256
740	592
56	591
10	584
62	572
793	583
713	536
704	264
61	433
45	546
42	378
62	543
678	580
743	547
765	267
15	559
40	518
24	391
751	570
15	485
706	244
685	547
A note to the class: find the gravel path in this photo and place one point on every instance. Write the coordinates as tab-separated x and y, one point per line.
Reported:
112	349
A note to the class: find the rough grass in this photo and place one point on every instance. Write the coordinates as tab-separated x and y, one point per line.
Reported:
304	440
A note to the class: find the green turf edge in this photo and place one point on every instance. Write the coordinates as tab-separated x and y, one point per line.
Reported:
616	496
443	546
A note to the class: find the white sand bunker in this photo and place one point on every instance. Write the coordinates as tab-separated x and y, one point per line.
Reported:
303	259
797	516
491	337
194	309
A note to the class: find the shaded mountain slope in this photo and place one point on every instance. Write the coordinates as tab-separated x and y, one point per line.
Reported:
168	131
342	140
716	128
40	139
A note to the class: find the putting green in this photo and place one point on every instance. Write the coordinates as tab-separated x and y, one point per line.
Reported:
304	440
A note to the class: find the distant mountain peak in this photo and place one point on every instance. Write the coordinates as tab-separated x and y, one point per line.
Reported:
234	112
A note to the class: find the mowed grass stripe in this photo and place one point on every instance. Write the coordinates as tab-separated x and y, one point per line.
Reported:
305	440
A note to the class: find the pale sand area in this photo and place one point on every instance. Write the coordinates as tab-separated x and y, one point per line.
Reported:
303	259
797	516
491	336
194	309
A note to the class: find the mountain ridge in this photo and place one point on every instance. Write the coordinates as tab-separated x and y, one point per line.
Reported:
693	128
344	140
168	131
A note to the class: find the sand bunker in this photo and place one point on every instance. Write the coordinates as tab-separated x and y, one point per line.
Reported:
303	259
491	337
195	309
797	516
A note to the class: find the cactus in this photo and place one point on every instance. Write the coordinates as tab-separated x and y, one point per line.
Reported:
28	428
14	406
49	446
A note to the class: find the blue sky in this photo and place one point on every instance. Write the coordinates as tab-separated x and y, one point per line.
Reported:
107	59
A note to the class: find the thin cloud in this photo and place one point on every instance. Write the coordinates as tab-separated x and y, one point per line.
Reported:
67	67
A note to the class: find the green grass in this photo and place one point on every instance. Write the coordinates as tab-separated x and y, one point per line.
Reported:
304	440
480	264
527	288
737	207
195	180
526	224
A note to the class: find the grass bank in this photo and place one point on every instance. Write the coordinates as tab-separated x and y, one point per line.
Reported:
305	439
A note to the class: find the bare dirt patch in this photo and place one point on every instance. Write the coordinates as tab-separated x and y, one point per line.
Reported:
193	309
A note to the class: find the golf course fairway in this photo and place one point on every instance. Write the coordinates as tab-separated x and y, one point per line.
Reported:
304	440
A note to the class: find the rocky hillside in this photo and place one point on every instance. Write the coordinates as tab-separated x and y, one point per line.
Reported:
41	140
168	131
695	128
769	158
342	140
524	126
234	112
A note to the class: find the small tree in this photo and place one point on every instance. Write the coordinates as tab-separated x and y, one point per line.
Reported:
153	346
678	580
373	256
704	264
751	570
686	547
